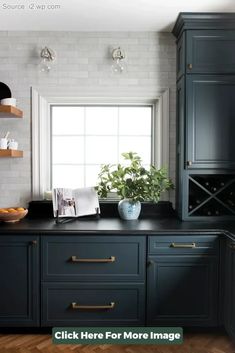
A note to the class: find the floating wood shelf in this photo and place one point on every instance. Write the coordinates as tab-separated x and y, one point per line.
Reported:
8	111
11	154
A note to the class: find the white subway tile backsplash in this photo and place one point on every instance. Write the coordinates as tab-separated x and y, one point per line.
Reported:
82	68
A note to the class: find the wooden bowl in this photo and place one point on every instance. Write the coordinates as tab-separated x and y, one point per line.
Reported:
13	216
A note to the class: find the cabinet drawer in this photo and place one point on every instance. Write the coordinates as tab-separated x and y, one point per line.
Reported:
183	244
93	258
92	304
210	51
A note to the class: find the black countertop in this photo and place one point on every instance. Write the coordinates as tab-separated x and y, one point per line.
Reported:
104	226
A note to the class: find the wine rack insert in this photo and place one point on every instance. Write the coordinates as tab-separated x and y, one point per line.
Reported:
211	195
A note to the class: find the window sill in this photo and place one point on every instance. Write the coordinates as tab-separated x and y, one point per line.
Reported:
43	209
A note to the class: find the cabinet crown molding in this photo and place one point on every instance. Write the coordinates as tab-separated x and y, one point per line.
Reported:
203	20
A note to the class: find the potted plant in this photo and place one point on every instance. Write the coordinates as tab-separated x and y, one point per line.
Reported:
133	183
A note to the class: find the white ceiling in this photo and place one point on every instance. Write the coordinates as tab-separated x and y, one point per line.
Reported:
104	15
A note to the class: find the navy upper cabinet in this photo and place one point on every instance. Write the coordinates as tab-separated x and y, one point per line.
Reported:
205	114
206	64
180	57
210	51
19	267
210	123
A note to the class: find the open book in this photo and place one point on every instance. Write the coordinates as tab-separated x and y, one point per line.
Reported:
75	202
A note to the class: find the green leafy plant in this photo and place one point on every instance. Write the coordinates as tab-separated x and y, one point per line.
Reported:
133	181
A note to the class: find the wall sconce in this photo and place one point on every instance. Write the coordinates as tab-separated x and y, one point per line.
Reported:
118	56
47	57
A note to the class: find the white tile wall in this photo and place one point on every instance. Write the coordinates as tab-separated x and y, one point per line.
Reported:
82	68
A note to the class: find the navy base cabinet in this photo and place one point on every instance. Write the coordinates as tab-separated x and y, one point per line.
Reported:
183	281
19	281
93	280
93	304
229	298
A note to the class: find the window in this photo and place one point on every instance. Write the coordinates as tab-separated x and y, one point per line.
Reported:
85	137
71	137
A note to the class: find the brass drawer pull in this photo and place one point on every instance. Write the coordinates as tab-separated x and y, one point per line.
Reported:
190	66
76	306
76	259
183	246
232	246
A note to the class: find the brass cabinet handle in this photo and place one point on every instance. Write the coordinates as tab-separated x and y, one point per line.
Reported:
34	242
76	306
190	66
76	259
232	246
189	163
183	246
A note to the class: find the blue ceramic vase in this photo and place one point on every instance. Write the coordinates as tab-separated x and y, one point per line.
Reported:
129	209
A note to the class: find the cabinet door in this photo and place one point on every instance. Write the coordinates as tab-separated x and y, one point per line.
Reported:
229	302
210	121
182	290
19	304
210	51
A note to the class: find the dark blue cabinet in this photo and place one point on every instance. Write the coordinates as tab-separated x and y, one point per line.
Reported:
210	51
93	304
99	280
182	291
205	115
229	295
94	258
93	280
19	278
210	107
206	124
182	279
180	56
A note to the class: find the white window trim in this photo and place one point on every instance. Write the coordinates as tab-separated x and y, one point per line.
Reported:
41	158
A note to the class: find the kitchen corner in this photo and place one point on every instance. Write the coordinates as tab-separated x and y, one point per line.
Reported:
142	112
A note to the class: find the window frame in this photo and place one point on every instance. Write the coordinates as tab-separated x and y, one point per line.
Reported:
41	131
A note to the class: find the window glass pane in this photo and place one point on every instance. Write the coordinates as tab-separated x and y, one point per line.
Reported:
68	149
101	120
92	172
67	120
68	176
140	145
135	120
78	149
101	150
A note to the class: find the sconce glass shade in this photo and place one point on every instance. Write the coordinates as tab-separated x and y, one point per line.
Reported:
47	57
118	56
45	65
118	66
